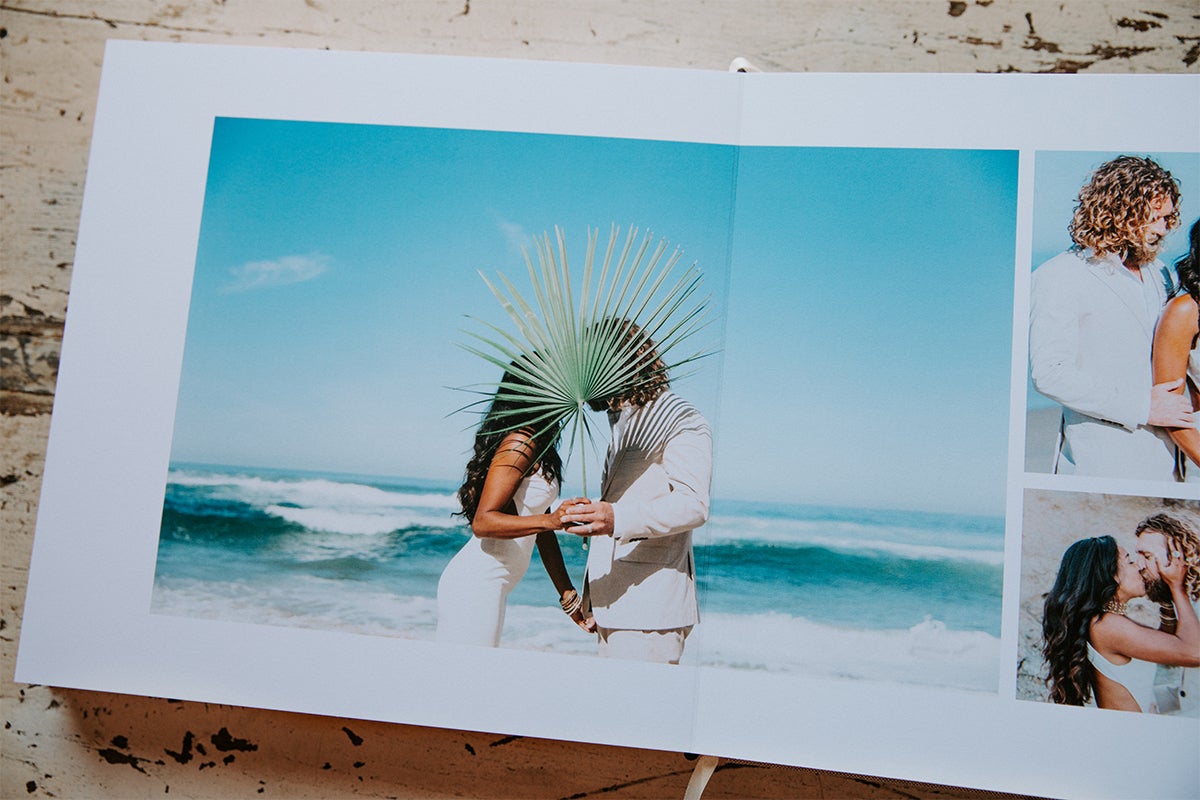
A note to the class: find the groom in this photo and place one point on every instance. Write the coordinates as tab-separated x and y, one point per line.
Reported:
1092	314
641	575
1178	688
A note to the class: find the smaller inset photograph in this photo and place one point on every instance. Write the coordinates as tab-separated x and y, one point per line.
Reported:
1114	373
1110	588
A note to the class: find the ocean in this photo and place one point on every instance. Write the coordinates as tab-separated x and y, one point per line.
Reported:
893	596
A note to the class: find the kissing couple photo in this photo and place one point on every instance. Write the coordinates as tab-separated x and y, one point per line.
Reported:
639	593
1118	624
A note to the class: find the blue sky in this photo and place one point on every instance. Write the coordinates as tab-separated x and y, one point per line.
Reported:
1058	176
337	262
864	359
867	361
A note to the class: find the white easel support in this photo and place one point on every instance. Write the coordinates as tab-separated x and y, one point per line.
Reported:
705	765
740	64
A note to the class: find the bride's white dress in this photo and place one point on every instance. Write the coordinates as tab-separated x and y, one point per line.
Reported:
473	590
1135	675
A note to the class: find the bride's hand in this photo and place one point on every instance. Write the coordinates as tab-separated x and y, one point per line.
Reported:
585	621
572	603
565	508
566	505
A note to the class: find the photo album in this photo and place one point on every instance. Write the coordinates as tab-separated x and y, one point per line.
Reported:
843	421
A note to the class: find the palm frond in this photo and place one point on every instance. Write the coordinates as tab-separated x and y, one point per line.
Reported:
568	345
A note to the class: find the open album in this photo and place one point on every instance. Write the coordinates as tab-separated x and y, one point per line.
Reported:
840	421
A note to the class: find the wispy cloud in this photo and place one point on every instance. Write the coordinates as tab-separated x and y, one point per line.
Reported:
279	272
516	235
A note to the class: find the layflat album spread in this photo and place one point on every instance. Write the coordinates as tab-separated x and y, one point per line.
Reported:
841	421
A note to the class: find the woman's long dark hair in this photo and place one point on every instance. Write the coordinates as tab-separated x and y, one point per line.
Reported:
497	423
1188	266
1086	581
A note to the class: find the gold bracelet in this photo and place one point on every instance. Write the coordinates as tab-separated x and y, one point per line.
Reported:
570	602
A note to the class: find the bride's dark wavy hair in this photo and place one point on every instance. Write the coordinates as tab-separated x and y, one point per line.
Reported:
1086	581
497	423
1188	266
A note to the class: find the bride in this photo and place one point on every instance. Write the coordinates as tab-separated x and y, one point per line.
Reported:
1177	351
1092	647
511	481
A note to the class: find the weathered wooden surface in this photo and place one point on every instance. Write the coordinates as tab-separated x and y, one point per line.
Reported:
69	743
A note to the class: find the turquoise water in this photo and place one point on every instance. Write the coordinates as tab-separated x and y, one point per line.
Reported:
364	554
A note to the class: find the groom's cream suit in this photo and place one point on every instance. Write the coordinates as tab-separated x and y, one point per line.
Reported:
656	476
1178	688
1091	328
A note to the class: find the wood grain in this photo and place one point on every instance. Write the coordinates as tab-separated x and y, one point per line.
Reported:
72	743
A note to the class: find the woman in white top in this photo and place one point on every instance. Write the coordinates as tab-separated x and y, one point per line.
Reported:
1092	648
1176	357
511	482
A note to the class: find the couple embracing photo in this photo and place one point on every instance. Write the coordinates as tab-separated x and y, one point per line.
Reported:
1113	330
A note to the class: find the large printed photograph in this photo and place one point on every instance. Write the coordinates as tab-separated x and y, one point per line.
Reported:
733	407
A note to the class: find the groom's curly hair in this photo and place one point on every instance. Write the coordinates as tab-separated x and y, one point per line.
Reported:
652	371
1086	580
1181	537
1118	201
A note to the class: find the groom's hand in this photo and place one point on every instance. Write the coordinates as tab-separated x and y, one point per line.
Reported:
1170	407
589	519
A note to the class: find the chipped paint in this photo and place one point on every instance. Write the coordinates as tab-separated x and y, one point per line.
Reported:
1193	54
224	741
185	751
1142	25
504	740
113	756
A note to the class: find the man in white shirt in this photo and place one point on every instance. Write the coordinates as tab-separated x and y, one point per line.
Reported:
1159	538
1093	310
641	576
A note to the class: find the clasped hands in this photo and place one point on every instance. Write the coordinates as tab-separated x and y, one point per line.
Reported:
584	517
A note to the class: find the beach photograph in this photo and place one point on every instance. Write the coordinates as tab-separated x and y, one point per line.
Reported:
855	376
1058	178
1052	521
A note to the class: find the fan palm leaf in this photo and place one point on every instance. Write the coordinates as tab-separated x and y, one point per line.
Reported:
568	345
